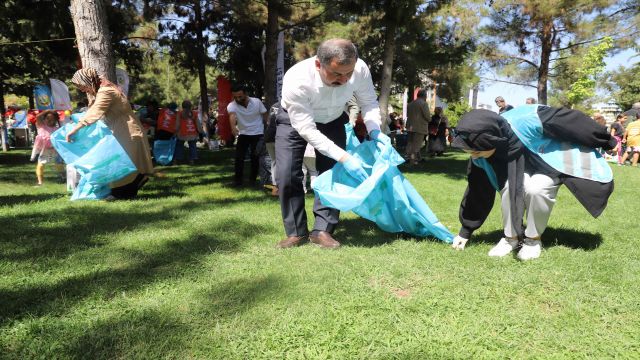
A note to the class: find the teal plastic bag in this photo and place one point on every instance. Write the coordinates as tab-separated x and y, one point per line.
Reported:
386	197
96	155
163	150
86	138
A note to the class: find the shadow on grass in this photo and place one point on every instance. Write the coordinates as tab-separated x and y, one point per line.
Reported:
235	296
10	200
142	268
361	232
147	334
570	238
41	234
14	157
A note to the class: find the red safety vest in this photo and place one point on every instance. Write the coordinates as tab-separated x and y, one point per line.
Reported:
167	120
188	127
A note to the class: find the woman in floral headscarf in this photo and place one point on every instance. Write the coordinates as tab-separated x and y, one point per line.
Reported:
107	102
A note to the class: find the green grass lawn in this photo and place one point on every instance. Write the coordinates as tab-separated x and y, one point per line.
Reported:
189	270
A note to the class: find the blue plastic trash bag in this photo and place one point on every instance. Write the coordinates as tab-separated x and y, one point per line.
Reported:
163	150
386	197
77	116
96	155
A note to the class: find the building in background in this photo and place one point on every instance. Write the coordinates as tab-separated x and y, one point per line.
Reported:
609	110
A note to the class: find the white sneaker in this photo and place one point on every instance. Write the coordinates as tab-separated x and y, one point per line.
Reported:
503	247
530	250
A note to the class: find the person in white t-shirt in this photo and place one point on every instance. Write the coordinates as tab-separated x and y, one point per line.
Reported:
247	116
314	94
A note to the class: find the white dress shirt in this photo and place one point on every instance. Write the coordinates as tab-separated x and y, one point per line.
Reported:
309	101
249	118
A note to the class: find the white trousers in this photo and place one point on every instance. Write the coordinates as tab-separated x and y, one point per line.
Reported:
540	196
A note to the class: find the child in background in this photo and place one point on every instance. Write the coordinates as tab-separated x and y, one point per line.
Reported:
47	122
188	129
632	139
617	131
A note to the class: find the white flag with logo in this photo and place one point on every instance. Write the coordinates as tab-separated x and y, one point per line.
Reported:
123	81
404	104
280	65
60	95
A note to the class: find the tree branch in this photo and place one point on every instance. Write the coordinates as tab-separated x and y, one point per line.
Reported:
508	82
527	61
597	39
311	19
138	38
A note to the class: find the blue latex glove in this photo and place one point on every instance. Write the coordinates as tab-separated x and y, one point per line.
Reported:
355	169
377	135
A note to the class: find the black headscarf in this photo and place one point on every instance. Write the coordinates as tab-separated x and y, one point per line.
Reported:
483	130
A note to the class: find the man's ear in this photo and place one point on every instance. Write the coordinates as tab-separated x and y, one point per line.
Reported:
317	64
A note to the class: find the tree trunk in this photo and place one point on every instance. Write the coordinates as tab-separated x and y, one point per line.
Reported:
3	123
387	69
93	36
202	75
271	54
546	39
32	100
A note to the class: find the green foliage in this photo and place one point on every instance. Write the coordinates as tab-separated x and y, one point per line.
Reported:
189	270
433	40
624	83
21	101
163	80
24	64
592	65
523	39
455	110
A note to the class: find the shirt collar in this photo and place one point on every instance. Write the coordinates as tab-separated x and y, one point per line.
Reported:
317	80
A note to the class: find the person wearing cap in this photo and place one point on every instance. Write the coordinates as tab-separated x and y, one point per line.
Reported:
526	155
502	105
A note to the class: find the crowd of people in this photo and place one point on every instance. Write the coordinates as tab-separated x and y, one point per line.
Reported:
303	136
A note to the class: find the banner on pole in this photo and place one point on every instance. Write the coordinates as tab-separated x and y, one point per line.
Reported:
404	104
60	95
224	98
42	95
279	66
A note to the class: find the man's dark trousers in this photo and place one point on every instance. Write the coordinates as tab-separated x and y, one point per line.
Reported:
290	148
247	143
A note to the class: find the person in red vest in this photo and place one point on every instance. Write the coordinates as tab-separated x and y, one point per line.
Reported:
189	129
166	124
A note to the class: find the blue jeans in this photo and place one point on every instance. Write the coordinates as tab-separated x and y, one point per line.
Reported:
179	154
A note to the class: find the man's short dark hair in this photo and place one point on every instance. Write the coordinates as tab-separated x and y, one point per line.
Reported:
422	93
341	50
238	87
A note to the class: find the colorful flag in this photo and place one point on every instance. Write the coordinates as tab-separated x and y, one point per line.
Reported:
42	94
60	95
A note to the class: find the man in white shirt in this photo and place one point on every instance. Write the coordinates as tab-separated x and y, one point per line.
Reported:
247	116
314	94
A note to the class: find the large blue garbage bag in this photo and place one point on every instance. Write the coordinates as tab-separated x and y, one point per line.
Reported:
386	197
163	150
96	155
75	117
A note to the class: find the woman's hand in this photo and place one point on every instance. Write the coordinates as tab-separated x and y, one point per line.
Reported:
73	131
